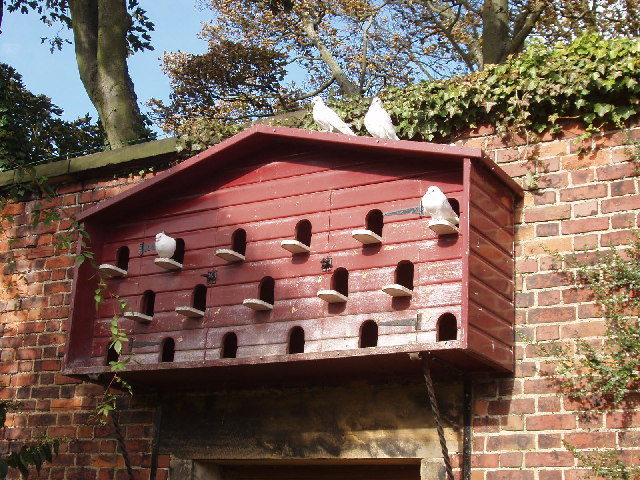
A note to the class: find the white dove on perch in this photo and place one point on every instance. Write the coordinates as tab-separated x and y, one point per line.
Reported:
165	245
443	218
378	122
327	119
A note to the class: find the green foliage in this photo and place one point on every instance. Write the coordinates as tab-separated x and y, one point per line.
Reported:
32	455
606	463
613	369
107	405
31	130
605	374
57	11
594	81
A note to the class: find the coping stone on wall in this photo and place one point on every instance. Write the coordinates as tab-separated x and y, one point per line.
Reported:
74	166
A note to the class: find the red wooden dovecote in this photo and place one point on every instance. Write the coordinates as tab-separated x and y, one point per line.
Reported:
286	264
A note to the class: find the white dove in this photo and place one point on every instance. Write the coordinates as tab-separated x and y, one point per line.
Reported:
165	245
327	119
378	122
435	203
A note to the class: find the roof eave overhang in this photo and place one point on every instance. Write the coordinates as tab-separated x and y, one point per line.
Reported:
266	138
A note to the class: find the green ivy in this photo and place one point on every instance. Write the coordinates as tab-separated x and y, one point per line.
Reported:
613	369
605	375
594	81
605	463
31	455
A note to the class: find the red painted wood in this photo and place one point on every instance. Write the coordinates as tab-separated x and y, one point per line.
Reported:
487	250
290	303
265	182
479	293
321	330
464	233
184	339
394	189
110	250
257	139
491	276
366	174
498	234
80	330
296	369
491	206
482	178
131	233
271	167
493	352
355	217
491	324
438	271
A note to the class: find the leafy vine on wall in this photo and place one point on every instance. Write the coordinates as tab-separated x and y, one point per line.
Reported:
593	81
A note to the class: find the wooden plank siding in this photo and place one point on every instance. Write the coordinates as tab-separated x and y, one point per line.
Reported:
490	308
467	276
267	203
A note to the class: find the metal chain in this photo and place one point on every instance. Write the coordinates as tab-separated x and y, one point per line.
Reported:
436	414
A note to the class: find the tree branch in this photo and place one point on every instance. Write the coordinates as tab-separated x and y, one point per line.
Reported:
525	28
468	59
348	88
365	44
319	90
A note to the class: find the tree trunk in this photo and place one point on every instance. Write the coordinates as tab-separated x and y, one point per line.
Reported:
495	31
100	30
347	87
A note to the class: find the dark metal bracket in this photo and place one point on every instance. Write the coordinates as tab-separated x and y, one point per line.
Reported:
326	264
406	211
211	277
403	322
145	248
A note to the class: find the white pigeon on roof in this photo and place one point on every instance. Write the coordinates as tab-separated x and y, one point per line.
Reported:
165	245
435	203
327	119
378	122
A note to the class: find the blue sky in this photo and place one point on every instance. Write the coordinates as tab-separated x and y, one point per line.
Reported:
56	74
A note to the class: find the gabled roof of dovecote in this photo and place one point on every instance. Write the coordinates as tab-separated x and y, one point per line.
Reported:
264	138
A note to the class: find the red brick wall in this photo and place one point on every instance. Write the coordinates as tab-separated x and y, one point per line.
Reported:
32	339
587	199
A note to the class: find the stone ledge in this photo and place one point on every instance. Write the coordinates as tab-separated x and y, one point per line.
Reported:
75	166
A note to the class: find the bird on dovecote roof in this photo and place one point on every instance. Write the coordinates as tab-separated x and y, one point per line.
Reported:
327	119
378	122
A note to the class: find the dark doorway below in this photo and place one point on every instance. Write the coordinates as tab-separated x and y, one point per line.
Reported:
320	472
